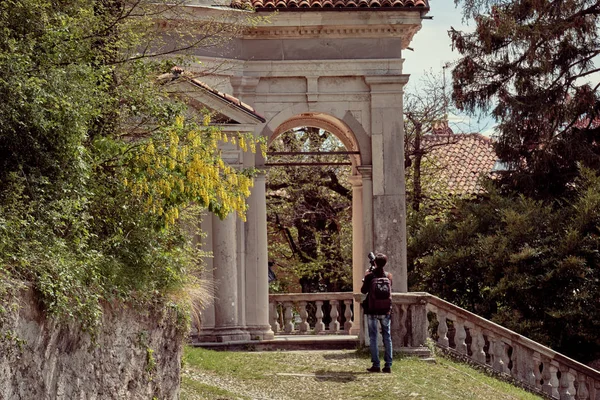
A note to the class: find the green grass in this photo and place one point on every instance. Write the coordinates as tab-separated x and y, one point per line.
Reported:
328	375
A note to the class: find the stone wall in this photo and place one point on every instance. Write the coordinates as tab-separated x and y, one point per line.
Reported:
136	355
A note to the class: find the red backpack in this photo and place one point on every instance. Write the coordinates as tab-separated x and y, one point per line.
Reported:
380	295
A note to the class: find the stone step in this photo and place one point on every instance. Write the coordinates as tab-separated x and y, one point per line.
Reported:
305	342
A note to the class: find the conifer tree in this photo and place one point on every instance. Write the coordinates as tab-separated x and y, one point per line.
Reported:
532	63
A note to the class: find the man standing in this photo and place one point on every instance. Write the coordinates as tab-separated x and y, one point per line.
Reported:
377	285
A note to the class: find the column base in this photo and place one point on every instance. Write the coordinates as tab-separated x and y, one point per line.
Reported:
223	335
262	332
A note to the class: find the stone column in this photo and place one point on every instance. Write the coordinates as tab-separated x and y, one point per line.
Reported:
367	209
257	279
226	280
389	197
358	252
205	317
241	271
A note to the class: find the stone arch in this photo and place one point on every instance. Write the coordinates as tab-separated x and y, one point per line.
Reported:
347	129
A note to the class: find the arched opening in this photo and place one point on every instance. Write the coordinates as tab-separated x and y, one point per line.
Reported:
311	190
309	212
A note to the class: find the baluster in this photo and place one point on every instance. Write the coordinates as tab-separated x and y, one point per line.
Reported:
402	310
477	345
319	325
504	356
550	386
274	317
303	326
288	317
595	395
567	389
334	325
582	388
494	359
442	329
460	336
498	354
348	315
537	362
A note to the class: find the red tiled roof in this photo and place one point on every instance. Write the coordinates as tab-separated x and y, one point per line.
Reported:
324	4
461	158
177	72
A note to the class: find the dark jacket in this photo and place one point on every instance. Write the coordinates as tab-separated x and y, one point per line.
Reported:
366	285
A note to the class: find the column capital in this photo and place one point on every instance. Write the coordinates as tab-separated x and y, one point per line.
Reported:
366	171
244	83
386	83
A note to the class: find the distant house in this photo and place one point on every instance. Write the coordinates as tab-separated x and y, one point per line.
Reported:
460	160
448	164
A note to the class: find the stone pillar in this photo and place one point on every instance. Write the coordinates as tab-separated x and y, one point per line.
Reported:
358	251
367	210
389	197
206	313
241	271
226	280
257	279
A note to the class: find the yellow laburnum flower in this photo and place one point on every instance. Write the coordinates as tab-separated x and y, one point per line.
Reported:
150	148
179	121
206	120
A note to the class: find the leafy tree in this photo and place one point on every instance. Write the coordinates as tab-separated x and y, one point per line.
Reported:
529	265
525	255
532	64
309	217
97	160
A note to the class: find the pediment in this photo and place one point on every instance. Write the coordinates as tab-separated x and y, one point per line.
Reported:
225	109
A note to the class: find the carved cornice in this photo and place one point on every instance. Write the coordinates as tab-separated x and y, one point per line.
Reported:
405	32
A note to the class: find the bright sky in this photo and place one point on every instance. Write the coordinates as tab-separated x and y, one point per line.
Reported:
432	50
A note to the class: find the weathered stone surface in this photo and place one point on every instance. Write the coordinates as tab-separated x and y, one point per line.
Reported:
136	356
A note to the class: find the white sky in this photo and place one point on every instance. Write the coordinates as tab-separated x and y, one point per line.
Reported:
432	50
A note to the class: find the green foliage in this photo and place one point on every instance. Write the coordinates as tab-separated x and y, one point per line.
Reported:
530	62
531	266
87	212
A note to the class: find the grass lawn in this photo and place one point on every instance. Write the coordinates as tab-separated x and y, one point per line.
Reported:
338	374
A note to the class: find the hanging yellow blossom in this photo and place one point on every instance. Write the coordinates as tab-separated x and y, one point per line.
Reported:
182	164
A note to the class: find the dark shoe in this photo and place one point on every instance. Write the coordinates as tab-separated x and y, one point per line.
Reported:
374	369
387	370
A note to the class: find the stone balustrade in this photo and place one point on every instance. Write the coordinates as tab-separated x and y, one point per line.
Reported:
419	316
486	343
303	313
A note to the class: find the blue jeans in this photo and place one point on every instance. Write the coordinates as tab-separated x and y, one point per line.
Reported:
372	321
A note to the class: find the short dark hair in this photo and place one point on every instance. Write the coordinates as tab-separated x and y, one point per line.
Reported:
380	260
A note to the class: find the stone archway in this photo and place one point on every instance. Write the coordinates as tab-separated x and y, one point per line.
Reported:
358	151
340	71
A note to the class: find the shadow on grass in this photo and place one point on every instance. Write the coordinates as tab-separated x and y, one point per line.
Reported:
343	356
339	377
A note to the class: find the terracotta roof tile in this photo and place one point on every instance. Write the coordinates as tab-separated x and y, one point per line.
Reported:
324	4
177	73
462	158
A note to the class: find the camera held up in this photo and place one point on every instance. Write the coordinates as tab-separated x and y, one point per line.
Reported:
371	257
